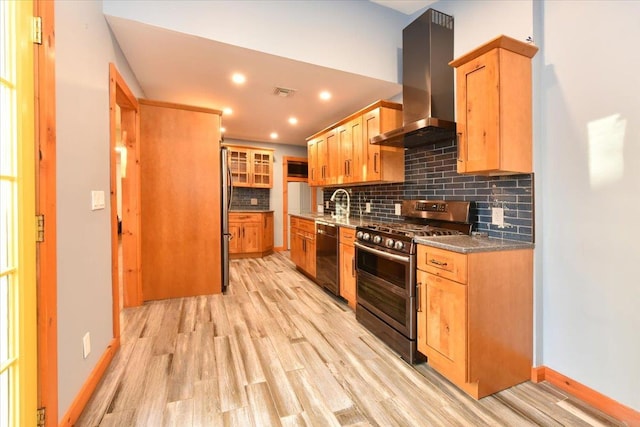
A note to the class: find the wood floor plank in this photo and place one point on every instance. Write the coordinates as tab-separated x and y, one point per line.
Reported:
150	411
283	394
219	316
184	368
178	413
188	315
335	397
166	335
206	404
205	356
315	410
249	356
131	387
117	419
262	406
230	386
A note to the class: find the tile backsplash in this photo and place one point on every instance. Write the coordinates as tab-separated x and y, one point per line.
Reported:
242	198
430	173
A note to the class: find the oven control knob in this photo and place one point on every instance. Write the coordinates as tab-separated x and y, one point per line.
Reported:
398	245
366	236
389	243
359	235
377	240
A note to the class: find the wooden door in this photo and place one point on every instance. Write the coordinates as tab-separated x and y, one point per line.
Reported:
479	114
312	155
251	237
348	274
180	200
261	168
371	153
321	148
235	243
240	165
345	153
310	254
297	255
332	158
267	232
444	315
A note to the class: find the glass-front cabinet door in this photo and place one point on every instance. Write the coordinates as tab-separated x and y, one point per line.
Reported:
262	161
240	166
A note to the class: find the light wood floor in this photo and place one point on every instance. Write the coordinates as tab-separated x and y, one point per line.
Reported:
277	350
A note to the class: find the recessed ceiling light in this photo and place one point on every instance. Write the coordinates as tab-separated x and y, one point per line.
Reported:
293	120
223	130
274	135
228	111
325	95
238	78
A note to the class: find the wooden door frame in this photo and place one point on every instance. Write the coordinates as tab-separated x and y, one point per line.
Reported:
46	280
285	197
121	96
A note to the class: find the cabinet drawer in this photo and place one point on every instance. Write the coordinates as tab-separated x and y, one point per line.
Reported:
245	217
347	235
450	265
293	222
306	225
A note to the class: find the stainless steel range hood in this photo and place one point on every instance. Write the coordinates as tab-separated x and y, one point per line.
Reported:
427	83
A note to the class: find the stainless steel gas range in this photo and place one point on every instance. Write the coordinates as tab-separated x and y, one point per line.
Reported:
386	269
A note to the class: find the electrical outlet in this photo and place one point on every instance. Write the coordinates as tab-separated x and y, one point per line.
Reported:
254	202
97	200
367	207
326	204
497	216
398	209
86	345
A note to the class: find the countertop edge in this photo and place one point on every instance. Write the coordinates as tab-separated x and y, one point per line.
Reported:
316	217
469	244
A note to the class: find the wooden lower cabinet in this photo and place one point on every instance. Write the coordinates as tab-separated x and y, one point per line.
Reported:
475	317
251	234
303	245
348	266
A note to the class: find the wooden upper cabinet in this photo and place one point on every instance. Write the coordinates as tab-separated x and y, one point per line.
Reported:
251	167
493	108
343	155
381	163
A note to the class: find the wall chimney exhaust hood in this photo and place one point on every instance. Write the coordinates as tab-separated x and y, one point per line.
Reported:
427	83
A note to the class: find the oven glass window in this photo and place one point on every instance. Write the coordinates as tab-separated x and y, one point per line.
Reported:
387	302
394	272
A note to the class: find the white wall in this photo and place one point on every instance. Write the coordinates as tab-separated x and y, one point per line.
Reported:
84	48
591	182
346	35
276	193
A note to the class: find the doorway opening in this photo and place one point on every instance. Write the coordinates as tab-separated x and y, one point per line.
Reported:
298	196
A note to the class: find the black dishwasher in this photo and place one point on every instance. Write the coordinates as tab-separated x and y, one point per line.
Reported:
327	257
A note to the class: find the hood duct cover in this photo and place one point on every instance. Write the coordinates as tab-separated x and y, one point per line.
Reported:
427	83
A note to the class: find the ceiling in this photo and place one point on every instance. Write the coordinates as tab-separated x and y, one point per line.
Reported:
407	7
176	67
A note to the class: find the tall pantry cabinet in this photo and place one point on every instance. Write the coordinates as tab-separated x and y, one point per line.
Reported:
179	200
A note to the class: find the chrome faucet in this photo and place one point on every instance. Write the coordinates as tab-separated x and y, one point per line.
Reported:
333	199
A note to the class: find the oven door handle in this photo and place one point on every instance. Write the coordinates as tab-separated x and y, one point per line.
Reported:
382	254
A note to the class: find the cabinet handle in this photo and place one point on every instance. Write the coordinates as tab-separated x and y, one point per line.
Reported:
353	267
458	147
375	162
436	262
419	297
243	232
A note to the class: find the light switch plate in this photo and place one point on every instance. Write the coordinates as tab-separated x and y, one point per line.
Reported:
97	200
367	207
497	216
398	209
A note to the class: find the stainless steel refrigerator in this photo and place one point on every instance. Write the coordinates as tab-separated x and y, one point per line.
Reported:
227	195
